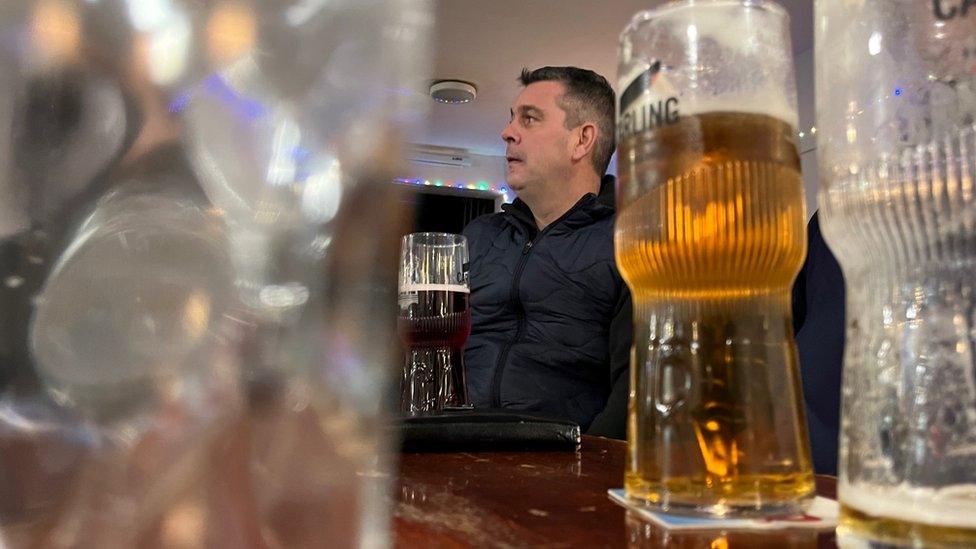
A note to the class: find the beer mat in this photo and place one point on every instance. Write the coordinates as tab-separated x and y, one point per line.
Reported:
822	515
463	430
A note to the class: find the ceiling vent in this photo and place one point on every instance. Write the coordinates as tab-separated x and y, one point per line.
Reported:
437	156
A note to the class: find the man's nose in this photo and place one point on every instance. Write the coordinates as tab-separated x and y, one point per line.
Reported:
509	135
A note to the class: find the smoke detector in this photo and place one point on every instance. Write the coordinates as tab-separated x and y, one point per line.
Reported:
453	92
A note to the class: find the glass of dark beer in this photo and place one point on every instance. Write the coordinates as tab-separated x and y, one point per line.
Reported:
434	321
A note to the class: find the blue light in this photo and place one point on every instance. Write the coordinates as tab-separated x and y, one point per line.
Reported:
179	103
215	84
250	109
897	92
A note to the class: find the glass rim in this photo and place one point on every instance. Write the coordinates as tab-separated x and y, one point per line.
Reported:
435	239
678	5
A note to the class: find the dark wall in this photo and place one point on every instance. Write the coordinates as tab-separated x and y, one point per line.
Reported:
445	213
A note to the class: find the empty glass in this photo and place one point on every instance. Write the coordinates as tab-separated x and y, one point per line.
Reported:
896	128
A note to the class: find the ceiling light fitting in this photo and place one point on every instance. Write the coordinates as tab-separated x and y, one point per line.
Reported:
453	92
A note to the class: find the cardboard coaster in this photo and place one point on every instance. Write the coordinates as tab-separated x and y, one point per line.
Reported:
822	515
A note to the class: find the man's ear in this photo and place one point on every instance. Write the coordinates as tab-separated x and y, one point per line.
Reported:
584	139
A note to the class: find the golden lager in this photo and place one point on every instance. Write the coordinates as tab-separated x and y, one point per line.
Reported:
710	235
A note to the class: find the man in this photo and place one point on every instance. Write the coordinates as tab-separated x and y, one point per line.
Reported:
551	316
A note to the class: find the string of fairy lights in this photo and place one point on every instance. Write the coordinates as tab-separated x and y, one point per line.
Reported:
497	189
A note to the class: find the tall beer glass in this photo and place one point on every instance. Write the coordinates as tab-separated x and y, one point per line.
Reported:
896	107
434	321
710	235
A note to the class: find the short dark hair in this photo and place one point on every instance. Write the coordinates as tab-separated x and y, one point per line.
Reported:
588	98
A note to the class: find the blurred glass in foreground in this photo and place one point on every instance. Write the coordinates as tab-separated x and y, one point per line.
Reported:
896	121
194	282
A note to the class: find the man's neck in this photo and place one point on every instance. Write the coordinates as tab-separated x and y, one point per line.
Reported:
562	196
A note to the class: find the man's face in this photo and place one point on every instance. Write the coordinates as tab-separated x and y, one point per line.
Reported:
538	147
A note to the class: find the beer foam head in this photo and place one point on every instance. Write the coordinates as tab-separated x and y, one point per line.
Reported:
720	56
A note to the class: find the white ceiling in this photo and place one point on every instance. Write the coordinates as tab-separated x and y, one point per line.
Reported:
487	42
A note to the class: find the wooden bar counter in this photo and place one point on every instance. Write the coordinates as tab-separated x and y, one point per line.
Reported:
545	499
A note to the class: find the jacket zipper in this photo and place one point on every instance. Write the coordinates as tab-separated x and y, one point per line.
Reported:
496	382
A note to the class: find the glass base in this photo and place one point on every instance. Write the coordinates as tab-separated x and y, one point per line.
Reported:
723	510
857	529
748	498
432	381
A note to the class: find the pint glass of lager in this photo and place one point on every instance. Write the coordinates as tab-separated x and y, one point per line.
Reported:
434	321
896	108
710	235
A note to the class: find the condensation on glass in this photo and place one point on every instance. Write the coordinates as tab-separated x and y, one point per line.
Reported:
896	120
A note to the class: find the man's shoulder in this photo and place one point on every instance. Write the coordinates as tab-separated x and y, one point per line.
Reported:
485	224
599	232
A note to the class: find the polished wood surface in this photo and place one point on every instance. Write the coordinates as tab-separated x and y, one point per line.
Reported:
545	499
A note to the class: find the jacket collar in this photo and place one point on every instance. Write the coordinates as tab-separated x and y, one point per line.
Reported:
589	209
